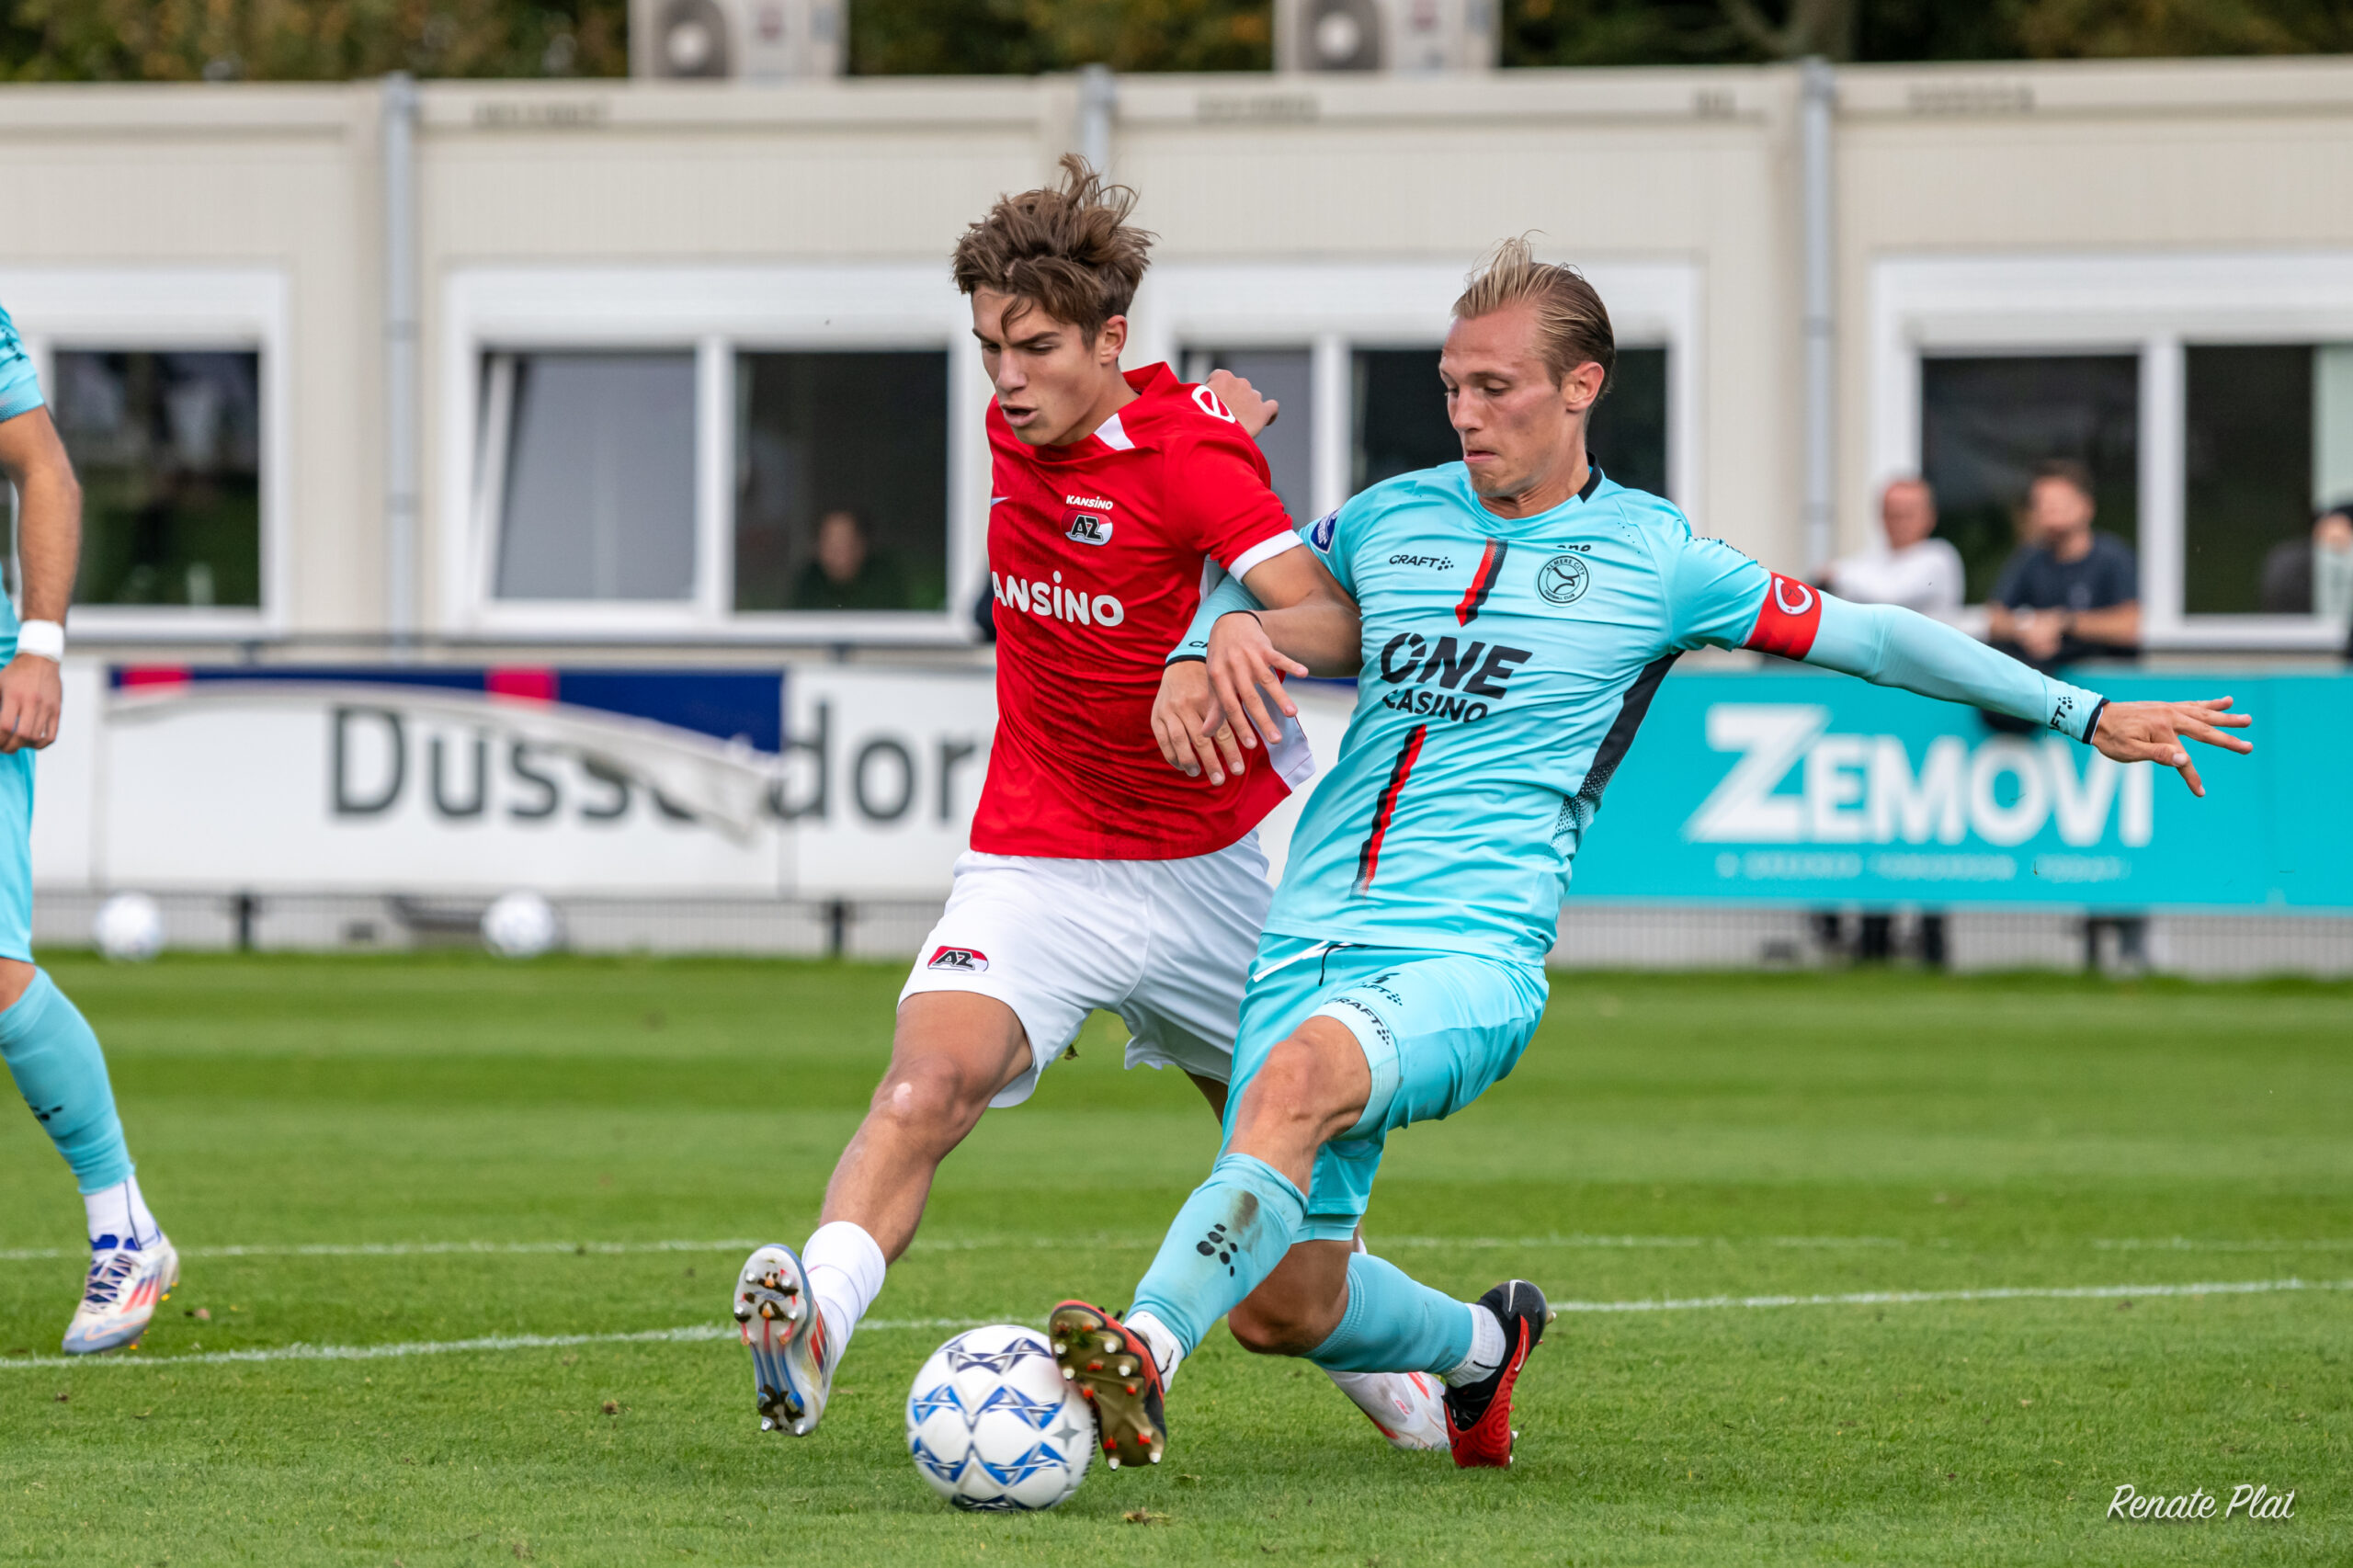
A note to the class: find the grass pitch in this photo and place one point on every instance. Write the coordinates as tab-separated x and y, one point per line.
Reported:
1665	1140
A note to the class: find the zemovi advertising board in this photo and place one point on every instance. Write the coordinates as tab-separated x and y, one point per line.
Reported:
831	781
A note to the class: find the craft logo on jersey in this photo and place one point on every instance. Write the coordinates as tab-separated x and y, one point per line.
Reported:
1564	579
1087	528
969	961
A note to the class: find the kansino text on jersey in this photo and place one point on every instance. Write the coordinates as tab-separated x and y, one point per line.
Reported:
1054	602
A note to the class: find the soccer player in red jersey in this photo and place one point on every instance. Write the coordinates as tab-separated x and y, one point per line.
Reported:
1097	877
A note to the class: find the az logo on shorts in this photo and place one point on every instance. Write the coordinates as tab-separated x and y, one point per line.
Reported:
969	960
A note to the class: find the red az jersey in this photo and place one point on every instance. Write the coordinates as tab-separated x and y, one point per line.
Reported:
1095	555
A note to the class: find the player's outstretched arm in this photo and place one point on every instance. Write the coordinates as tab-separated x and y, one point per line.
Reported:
48	545
1891	646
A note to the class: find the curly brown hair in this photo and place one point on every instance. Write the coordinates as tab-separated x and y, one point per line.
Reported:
1068	250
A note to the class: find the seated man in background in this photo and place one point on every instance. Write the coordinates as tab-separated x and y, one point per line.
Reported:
1912	569
848	572
2068	593
2315	576
1919	573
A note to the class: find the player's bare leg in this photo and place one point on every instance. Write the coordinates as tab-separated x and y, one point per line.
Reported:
951	1053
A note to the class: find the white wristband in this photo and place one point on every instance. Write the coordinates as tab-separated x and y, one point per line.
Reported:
45	638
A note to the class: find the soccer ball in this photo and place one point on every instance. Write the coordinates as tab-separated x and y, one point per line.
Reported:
129	929
519	925
992	1427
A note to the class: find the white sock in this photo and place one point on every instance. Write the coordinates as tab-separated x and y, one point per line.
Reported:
117	1216
1486	1349
1166	1353
844	1268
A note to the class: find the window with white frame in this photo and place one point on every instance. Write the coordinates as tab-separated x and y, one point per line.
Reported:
2211	397
167	446
716	452
166	387
1354	363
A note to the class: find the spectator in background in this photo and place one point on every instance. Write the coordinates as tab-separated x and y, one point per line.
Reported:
1919	573
848	572
1912	569
2068	593
2313	576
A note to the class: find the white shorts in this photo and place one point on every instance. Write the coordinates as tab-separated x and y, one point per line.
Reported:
1164	944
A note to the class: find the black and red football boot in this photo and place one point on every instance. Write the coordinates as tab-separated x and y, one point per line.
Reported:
1114	1371
1478	1415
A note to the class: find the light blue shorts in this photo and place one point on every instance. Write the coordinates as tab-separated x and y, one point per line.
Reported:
16	855
1438	1028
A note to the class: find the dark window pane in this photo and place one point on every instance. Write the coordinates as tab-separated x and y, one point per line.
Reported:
1985	422
1401	423
168	449
1628	434
599	500
862	432
1287	375
2247	456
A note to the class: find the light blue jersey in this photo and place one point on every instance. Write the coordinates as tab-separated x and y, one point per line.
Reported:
19	387
1506	665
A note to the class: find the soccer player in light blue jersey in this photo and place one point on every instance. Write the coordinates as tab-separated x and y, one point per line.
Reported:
1512	617
51	1050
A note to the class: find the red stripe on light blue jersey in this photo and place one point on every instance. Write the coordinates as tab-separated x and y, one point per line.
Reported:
1483	582
1368	857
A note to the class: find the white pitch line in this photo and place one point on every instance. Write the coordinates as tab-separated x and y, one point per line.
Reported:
1922	1298
1138	1243
493	1343
705	1332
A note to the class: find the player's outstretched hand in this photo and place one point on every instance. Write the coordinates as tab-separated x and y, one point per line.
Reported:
31	695
2152	732
1251	410
1190	726
1244	665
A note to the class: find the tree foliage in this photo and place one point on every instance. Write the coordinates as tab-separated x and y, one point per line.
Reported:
172	41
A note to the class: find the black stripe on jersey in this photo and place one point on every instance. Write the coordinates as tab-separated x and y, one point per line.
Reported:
1483	582
1592	481
1368	857
1632	708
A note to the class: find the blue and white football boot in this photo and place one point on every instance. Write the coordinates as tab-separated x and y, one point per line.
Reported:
125	1286
792	1363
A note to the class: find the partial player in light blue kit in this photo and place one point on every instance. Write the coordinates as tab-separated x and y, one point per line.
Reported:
51	1050
1517	612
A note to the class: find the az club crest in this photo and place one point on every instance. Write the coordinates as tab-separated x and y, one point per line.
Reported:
972	960
1564	579
1087	528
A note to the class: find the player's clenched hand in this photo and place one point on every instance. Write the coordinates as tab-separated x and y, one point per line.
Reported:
31	695
1244	665
1251	411
1190	726
2152	732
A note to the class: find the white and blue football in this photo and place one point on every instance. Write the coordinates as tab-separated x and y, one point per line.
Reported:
992	1427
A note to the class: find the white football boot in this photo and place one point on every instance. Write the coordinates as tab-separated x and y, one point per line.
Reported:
126	1284
1408	1407
791	1364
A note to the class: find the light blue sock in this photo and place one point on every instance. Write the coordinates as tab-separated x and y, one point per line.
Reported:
1394	1323
1227	1238
58	1066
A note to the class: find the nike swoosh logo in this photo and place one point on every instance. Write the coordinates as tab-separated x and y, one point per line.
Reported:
999	500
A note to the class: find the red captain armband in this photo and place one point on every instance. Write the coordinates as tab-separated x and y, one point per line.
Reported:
1790	616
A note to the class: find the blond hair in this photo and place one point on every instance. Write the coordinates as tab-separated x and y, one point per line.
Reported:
1571	324
1068	250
